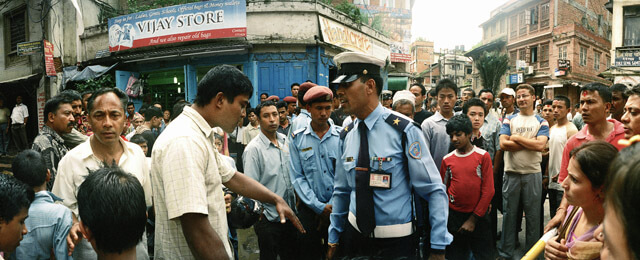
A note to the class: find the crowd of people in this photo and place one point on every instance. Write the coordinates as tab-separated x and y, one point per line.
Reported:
327	173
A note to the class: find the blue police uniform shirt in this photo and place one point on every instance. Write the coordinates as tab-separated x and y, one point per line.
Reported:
392	206
312	165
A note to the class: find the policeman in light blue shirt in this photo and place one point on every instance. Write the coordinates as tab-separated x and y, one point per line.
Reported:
313	150
303	119
266	160
383	156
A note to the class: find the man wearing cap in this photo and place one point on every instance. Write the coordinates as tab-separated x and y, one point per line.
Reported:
387	98
303	119
314	152
404	103
372	202
291	107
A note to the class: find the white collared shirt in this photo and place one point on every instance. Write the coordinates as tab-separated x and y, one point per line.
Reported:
19	113
74	168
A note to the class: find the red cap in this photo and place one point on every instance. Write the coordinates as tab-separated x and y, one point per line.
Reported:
290	99
304	87
273	98
319	93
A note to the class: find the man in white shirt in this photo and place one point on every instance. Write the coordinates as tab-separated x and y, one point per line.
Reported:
188	173
106	115
18	123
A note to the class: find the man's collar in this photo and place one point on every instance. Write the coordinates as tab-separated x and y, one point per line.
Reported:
332	130
85	150
48	130
265	140
373	117
199	120
618	128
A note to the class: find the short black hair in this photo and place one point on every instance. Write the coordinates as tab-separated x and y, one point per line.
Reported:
121	95
622	88
177	109
473	93
423	90
29	167
294	84
71	94
635	90
130	104
548	103
565	99
52	105
603	91
225	79
281	104
433	92
151	112
446	83
474	102
459	123
112	205
259	107
485	90
138	139
377	79
264	93
14	196
86	92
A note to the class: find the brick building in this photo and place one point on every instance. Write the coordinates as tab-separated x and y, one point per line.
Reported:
421	56
625	41
542	36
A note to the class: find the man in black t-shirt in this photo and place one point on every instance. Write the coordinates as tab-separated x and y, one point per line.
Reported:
153	119
420	92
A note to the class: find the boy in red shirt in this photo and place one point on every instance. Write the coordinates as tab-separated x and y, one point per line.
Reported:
468	174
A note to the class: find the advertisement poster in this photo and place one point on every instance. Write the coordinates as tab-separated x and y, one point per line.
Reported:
350	39
397	23
49	66
181	23
41	99
29	48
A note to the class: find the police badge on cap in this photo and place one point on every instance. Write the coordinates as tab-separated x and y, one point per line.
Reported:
353	65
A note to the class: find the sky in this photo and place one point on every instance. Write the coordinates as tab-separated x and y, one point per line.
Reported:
451	22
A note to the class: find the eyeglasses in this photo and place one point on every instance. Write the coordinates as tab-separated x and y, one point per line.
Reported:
523	96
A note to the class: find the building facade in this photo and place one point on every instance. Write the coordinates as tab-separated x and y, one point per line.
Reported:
625	42
554	45
421	56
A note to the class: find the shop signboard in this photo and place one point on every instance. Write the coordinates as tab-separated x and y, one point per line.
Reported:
49	65
627	58
180	23
516	78
564	64
29	48
350	39
396	22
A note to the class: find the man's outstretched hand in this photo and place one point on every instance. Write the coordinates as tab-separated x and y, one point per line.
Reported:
285	213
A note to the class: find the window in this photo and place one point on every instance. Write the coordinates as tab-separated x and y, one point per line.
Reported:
544	15
596	60
523	23
514	26
544	55
562	52
522	54
534	54
533	18
631	26
513	56
15	31
583	56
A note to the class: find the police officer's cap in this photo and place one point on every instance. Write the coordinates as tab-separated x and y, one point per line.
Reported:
353	65
318	93
290	99
304	87
273	98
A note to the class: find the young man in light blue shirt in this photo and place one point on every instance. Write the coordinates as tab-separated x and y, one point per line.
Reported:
266	160
48	223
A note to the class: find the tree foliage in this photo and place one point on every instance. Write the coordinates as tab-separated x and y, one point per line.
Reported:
103	81
492	66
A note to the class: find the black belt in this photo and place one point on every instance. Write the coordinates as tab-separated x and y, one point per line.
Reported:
17	124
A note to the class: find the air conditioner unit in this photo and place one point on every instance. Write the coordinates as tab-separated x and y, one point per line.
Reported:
529	70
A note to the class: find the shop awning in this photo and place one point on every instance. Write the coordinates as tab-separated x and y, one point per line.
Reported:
397	83
554	86
19	79
91	72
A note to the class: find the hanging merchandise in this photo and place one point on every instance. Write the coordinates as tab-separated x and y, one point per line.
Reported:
134	87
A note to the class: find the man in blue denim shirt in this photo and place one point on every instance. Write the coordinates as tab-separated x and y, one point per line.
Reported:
48	223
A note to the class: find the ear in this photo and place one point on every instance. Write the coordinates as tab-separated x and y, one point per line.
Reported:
48	175
608	105
219	100
86	232
370	85
50	117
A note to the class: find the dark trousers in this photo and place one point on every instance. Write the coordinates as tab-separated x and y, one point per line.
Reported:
19	136
478	242
276	239
356	245
311	243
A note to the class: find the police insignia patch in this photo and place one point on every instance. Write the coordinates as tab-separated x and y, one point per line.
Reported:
415	150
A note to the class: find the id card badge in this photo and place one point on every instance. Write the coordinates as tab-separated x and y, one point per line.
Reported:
380	179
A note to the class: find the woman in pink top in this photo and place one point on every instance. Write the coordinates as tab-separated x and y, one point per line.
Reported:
588	167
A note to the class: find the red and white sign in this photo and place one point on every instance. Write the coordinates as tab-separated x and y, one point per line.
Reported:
49	66
399	57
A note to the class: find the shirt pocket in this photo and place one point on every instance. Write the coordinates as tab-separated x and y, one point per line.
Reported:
308	161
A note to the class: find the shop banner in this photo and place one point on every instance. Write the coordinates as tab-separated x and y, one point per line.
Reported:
40	101
180	23
49	65
350	39
627	58
29	48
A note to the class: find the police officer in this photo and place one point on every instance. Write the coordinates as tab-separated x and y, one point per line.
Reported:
313	150
303	119
382	156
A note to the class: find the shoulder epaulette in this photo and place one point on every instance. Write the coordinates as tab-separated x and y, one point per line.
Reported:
294	133
397	122
346	130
